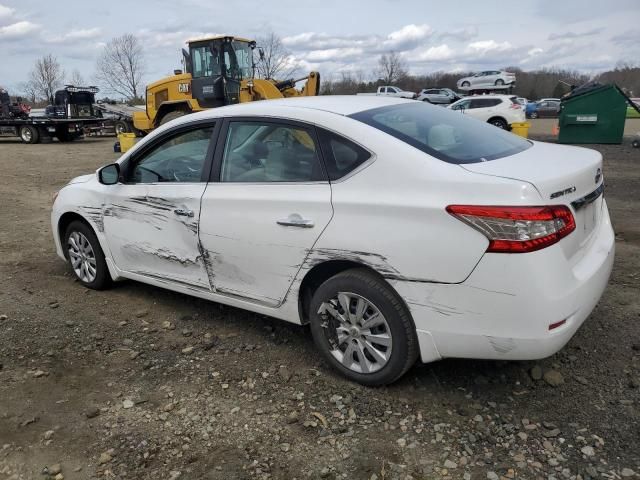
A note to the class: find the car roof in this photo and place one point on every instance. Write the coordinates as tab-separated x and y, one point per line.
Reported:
490	96
338	104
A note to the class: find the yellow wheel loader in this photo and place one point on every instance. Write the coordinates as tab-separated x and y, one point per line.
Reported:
218	71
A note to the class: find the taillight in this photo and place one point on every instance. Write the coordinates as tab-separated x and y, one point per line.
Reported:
517	229
516	106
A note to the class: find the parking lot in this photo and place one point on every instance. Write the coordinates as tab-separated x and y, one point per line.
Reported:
138	382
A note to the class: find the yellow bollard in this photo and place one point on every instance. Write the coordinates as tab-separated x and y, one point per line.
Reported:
520	129
127	140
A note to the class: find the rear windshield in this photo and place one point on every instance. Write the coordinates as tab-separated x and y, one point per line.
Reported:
442	133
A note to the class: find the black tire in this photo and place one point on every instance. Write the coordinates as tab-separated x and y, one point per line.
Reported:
172	116
466	84
636	144
499	82
426	100
121	126
370	286
499	122
29	134
533	115
63	135
102	278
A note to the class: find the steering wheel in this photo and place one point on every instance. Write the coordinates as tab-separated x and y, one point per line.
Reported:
181	169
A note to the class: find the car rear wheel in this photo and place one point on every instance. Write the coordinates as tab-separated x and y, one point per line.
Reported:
533	114
499	82
85	256
362	328
499	122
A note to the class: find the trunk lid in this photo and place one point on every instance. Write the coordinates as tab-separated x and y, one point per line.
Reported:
564	175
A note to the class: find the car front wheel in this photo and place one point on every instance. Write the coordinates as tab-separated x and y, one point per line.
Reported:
85	256
362	328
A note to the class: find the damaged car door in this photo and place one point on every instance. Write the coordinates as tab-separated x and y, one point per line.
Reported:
151	216
268	202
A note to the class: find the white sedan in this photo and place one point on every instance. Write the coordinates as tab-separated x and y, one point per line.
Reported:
396	229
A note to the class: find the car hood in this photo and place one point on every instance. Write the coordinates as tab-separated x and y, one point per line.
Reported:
81	179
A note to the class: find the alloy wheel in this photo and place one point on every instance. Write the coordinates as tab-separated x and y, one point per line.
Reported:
82	256
358	334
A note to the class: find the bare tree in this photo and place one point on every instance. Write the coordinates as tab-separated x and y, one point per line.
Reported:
121	66
77	79
46	76
29	91
277	61
391	68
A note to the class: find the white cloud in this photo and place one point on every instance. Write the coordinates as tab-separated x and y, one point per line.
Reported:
333	54
409	35
572	35
83	33
17	30
460	34
483	47
75	35
435	54
6	12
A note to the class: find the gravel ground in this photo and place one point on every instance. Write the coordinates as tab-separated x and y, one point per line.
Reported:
137	382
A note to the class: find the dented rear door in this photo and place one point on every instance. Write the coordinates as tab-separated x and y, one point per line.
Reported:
268	204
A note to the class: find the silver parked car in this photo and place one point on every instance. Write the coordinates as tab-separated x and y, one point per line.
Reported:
487	79
438	95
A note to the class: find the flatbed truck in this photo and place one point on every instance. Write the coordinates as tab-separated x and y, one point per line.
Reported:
43	129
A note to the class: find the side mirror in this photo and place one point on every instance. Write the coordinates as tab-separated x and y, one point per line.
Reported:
109	175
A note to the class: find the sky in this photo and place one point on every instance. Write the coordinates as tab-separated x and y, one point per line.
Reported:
330	36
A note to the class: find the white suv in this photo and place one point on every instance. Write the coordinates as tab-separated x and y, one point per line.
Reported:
498	110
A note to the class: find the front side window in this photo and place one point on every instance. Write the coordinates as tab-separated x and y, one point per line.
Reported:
270	152
180	158
443	134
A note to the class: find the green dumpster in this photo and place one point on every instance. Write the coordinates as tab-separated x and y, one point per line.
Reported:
593	113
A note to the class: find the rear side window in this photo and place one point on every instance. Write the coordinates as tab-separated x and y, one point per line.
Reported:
442	133
485	102
341	156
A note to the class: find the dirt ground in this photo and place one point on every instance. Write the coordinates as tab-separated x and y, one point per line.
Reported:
137	382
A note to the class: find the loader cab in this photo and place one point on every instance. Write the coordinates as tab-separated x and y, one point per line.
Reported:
217	66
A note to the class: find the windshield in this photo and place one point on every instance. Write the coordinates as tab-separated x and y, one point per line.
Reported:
443	134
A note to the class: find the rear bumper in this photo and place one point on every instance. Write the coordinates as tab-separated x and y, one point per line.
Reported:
506	306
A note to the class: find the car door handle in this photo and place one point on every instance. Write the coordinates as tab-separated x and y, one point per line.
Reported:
295	220
183	212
